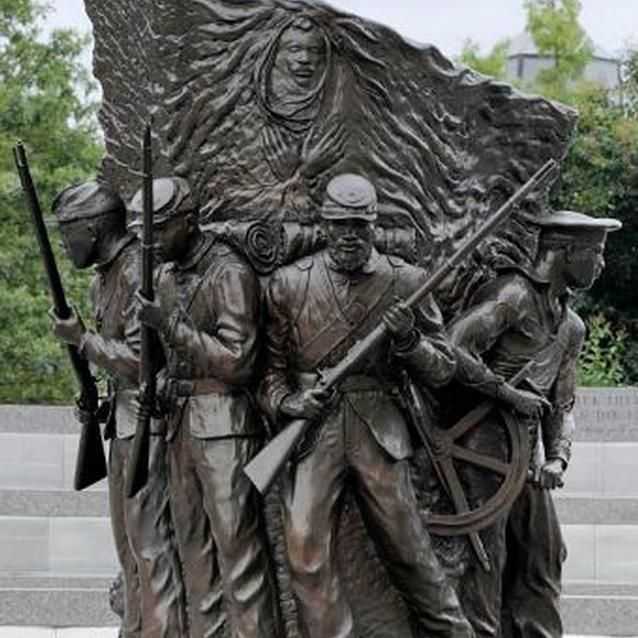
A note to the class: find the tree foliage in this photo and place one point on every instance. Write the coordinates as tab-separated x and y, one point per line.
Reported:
601	362
630	72
555	28
600	175
46	100
493	63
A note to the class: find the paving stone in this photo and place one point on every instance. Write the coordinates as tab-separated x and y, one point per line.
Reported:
38	419
24	544
45	503
108	632
595	588
619	463
42	632
602	616
581	547
56	608
617	553
82	545
596	509
585	469
48	580
31	461
26	632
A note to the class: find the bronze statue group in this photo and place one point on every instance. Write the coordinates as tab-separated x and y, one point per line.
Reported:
240	357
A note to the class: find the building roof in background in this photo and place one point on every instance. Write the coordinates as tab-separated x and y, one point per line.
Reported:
523	44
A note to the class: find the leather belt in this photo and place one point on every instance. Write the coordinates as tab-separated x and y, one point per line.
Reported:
198	387
352	383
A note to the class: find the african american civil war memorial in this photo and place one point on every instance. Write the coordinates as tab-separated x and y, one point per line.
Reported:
333	306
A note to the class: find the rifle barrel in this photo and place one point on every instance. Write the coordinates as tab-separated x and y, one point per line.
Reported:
139	460
60	304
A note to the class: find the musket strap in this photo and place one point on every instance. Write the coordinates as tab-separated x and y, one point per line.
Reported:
350	321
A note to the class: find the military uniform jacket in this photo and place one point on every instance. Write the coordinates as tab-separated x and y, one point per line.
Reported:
511	321
316	313
210	339
114	346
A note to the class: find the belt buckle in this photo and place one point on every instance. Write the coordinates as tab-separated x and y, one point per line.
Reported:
184	387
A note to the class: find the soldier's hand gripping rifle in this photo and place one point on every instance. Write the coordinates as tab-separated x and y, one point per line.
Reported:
90	465
264	468
139	460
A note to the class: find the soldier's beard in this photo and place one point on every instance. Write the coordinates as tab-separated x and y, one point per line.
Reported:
351	256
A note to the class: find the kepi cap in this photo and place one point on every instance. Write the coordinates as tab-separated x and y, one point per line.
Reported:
85	201
350	196
171	197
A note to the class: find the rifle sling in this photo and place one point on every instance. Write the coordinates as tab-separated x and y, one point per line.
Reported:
342	328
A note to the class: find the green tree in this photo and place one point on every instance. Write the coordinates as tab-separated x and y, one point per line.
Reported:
601	362
493	63
557	33
630	72
600	177
47	100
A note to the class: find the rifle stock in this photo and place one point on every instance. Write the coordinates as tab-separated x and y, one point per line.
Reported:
91	462
266	465
138	463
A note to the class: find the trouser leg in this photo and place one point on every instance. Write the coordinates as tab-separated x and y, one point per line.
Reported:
536	552
311	499
237	526
388	505
480	591
206	615
151	537
118	462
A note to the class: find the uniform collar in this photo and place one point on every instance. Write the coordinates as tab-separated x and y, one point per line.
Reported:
526	271
120	245
197	254
543	286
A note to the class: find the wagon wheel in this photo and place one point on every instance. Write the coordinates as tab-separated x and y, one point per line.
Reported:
446	452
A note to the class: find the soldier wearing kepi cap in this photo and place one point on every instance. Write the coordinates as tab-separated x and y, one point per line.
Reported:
206	314
518	319
172	197
92	221
317	307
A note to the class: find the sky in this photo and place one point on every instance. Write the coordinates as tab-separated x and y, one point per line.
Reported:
612	24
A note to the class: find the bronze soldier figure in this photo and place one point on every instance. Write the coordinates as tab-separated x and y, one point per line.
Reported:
207	313
316	308
92	221
520	317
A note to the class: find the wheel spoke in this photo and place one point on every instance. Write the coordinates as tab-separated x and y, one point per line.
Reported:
470	420
480	460
461	505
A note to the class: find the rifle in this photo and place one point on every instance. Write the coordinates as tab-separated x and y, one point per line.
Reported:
139	460
90	465
265	466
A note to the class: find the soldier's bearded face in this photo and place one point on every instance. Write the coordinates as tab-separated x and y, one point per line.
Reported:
301	53
78	240
350	242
